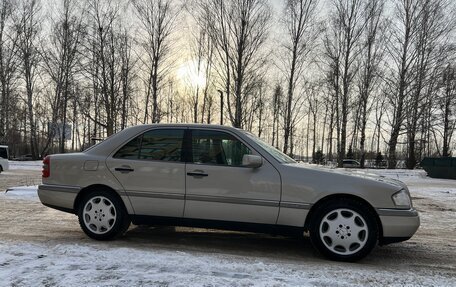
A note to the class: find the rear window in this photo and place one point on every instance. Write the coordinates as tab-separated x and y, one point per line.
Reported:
130	150
161	144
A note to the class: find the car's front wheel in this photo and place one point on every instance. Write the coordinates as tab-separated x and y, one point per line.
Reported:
344	230
102	215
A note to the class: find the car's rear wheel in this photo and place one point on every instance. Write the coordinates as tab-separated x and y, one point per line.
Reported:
344	229
102	215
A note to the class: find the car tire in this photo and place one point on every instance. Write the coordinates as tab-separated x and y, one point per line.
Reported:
344	229
102	215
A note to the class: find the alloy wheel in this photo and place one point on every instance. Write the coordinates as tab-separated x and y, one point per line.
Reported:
99	215
343	231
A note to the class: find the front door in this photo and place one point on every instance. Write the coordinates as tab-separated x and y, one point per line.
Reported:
152	171
218	187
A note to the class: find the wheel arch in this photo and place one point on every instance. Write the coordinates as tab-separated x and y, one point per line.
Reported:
95	187
332	197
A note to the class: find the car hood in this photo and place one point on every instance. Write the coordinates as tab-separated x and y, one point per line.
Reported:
371	176
352	173
310	183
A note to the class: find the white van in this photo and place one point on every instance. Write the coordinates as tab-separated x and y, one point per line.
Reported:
4	158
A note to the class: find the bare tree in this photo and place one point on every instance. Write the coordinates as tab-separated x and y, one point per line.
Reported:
254	108
430	50
199	53
447	107
9	62
403	56
238	30
260	107
277	99
61	58
248	27
314	104
157	19
104	65
370	73
200	69
90	67
28	25
342	49
332	78
127	65
300	21
208	99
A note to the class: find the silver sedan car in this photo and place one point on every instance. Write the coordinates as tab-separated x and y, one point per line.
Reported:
223	177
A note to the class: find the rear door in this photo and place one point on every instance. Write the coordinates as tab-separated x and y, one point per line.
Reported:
152	171
220	188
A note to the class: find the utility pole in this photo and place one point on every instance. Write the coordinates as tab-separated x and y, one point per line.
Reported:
221	106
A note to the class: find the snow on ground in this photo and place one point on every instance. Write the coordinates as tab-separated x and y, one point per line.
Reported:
441	191
22	192
28	165
84	262
100	264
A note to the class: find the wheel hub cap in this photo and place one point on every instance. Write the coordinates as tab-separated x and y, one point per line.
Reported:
99	215
343	231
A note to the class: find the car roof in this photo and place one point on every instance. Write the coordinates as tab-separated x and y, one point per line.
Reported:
191	125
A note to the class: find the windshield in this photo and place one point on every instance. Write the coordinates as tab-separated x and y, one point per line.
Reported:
277	154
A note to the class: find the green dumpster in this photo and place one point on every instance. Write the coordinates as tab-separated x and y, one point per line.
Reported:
440	167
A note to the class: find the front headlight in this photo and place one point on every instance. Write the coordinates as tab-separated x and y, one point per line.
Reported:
402	199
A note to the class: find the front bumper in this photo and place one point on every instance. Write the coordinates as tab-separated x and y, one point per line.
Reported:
398	223
60	197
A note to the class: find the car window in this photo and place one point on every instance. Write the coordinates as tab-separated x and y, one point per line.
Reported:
130	150
3	153
161	144
213	147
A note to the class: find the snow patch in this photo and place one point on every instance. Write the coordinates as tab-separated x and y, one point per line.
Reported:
105	265
28	165
22	192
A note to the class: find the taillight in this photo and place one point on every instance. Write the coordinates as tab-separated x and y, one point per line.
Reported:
47	166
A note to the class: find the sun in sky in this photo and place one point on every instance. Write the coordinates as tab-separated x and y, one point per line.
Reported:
190	75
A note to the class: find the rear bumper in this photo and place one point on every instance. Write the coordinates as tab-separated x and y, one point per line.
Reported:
60	197
398	225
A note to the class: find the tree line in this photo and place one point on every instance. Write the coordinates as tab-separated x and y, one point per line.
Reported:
341	78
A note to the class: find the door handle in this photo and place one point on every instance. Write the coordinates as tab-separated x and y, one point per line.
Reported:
124	169
197	174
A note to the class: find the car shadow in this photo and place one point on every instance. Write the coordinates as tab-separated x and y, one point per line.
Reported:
219	241
257	245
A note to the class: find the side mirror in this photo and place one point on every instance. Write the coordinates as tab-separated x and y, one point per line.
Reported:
253	161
